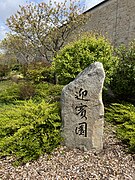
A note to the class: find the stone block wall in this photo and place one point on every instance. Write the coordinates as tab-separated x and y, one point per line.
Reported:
115	19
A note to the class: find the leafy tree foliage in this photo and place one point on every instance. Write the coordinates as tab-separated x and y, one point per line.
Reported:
46	27
17	46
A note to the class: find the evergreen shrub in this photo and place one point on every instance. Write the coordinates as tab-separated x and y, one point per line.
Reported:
9	94
48	92
40	73
123	117
4	70
75	57
21	91
123	82
29	130
27	90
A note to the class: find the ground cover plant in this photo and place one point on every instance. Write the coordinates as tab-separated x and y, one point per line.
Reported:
12	93
5	85
9	92
29	130
29	126
122	116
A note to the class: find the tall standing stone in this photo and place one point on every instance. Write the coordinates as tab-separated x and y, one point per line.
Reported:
83	110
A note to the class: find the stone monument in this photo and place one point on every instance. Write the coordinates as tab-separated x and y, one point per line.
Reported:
83	110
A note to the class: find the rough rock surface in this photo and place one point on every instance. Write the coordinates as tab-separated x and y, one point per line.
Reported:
83	110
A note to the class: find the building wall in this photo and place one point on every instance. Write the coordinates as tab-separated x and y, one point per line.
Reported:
115	19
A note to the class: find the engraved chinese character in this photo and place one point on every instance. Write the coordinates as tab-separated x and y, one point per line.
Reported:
81	129
81	95
81	110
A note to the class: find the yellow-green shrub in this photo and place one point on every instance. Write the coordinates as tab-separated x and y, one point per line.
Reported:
40	74
27	90
9	94
48	92
29	130
123	117
75	57
21	91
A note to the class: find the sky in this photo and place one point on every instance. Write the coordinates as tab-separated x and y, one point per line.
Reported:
9	7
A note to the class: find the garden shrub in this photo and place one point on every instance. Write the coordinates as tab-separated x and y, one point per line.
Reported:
4	70
48	92
26	91
10	94
75	57
5	85
123	117
29	130
123	82
15	76
35	75
40	73
17	67
21	91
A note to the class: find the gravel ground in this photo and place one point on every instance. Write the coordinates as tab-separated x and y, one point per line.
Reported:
113	163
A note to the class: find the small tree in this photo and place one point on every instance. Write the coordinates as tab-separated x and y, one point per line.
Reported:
47	27
17	46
